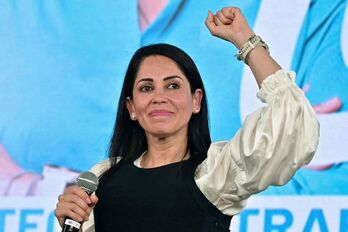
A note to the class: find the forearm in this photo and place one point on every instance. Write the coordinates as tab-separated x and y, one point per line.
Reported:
259	60
262	64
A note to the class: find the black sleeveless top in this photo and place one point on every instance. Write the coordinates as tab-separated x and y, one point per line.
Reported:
164	199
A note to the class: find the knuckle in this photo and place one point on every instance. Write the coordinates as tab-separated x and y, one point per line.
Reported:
75	208
61	197
71	189
58	213
85	207
226	9
86	214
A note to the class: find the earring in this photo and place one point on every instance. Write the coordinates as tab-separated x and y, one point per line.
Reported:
133	116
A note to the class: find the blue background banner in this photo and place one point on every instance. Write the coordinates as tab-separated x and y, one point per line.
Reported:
62	65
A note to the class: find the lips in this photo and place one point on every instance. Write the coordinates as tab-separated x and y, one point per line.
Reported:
160	113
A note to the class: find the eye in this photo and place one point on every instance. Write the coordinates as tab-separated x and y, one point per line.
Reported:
145	88
173	86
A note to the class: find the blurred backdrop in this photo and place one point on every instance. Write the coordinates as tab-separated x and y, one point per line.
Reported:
62	65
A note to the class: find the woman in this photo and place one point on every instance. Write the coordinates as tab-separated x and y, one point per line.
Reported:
163	173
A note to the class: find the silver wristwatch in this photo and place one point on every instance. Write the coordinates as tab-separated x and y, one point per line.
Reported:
253	42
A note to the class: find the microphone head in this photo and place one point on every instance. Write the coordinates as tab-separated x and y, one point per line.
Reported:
88	181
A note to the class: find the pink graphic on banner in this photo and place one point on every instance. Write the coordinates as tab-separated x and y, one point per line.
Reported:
148	11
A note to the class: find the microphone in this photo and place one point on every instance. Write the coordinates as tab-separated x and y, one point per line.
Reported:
88	182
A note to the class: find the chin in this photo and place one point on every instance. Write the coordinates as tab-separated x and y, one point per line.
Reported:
161	134
162	131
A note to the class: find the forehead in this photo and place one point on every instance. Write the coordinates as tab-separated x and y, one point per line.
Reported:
158	66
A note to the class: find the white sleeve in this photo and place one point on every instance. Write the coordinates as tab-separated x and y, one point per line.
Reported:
272	144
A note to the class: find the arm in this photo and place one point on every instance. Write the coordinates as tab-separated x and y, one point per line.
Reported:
272	144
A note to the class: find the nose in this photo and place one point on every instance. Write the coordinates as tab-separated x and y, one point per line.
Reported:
159	97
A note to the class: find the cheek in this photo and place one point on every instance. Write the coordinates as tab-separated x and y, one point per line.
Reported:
140	104
184	102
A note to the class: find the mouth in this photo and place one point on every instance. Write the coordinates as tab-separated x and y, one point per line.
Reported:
160	113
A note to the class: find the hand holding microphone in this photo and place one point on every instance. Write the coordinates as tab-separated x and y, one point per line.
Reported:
76	203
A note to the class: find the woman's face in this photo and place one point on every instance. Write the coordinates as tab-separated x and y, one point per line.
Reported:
162	101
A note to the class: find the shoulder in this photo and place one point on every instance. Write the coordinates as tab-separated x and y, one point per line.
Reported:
101	167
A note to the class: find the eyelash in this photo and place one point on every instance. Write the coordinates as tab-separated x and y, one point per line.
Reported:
147	88
177	85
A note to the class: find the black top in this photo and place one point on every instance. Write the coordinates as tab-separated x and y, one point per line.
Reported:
165	198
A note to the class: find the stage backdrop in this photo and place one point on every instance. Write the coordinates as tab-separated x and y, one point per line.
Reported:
61	68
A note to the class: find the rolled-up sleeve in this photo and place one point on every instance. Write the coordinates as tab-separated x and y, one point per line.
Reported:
272	144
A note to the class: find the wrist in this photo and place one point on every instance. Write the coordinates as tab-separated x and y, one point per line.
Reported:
241	38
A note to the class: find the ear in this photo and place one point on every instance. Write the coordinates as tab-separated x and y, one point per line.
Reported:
131	109
197	100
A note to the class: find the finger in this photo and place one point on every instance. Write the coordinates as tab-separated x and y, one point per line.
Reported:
77	191
73	211
94	200
63	213
233	12
228	13
74	199
209	22
59	217
223	19
217	21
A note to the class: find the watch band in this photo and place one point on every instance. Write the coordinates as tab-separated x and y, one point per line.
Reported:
253	42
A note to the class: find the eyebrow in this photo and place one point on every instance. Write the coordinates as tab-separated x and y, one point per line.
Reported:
164	79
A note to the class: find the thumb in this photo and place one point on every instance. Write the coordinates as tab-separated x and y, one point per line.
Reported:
94	200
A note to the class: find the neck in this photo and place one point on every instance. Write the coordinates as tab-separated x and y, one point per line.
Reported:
165	150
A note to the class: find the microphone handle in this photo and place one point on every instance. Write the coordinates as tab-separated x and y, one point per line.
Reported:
71	225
